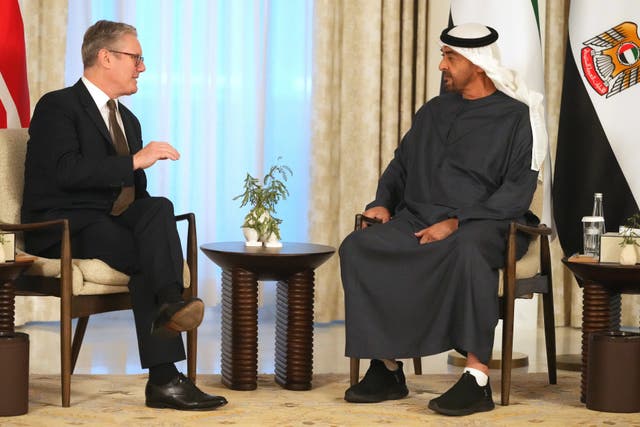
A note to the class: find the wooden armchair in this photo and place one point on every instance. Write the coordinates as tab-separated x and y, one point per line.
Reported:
519	279
84	286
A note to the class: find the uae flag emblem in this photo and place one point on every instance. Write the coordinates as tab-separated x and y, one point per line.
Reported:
610	60
598	137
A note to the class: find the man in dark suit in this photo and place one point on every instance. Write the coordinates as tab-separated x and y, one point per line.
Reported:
85	162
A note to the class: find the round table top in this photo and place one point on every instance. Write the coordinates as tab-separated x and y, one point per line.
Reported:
268	263
626	278
287	249
10	270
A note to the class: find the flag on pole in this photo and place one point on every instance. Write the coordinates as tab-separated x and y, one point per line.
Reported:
14	89
517	24
599	134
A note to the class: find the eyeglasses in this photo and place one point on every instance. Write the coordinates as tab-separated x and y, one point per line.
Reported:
136	58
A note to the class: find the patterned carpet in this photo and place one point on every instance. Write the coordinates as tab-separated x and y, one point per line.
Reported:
105	400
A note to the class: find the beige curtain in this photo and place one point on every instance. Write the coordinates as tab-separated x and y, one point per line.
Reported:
45	27
370	75
555	33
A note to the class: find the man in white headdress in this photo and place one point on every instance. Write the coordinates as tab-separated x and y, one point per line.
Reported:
426	280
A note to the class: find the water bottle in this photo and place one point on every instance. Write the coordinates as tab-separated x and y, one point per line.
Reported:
593	228
597	210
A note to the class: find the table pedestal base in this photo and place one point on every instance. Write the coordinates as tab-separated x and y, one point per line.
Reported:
239	329
294	331
14	375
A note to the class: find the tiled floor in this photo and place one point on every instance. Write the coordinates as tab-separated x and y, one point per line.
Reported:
110	346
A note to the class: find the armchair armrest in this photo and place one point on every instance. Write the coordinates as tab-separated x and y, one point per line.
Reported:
33	225
65	254
360	219
539	230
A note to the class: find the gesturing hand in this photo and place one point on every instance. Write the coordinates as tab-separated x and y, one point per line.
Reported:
152	152
438	231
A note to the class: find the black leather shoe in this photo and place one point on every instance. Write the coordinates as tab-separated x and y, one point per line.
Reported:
178	317
182	394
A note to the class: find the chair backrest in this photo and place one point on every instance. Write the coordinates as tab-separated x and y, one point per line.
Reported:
13	149
529	265
536	208
536	202
533	253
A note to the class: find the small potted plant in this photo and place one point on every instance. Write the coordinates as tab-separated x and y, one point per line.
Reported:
3	258
628	254
7	247
260	224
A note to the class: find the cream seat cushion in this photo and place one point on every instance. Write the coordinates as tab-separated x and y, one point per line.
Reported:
90	276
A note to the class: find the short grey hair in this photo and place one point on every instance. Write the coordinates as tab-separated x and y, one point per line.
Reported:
102	34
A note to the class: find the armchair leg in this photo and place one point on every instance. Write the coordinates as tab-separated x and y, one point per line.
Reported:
78	336
192	345
354	370
550	336
417	365
507	350
192	290
65	359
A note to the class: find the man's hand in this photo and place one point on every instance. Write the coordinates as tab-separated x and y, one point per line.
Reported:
379	212
438	231
152	152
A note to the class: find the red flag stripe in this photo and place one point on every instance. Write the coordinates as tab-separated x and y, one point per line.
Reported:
14	89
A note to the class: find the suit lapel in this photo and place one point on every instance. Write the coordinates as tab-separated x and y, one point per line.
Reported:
91	109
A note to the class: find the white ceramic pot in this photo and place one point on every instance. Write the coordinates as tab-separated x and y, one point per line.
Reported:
628	255
272	241
251	237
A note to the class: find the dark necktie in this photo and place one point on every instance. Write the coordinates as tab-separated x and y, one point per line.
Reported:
127	193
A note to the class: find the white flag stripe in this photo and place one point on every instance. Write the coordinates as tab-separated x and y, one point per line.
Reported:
13	119
618	113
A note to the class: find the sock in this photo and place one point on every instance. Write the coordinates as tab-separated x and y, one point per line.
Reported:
390	364
481	377
169	294
162	374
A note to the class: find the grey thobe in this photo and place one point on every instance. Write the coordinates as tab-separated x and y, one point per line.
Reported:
469	159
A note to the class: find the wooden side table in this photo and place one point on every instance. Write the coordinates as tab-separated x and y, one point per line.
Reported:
602	284
242	266
14	346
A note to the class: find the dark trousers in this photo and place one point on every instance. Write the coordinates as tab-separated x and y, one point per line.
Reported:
143	242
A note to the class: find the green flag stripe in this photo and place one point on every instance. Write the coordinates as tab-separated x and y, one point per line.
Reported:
534	4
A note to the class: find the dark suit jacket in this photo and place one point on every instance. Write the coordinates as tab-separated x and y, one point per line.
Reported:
71	169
